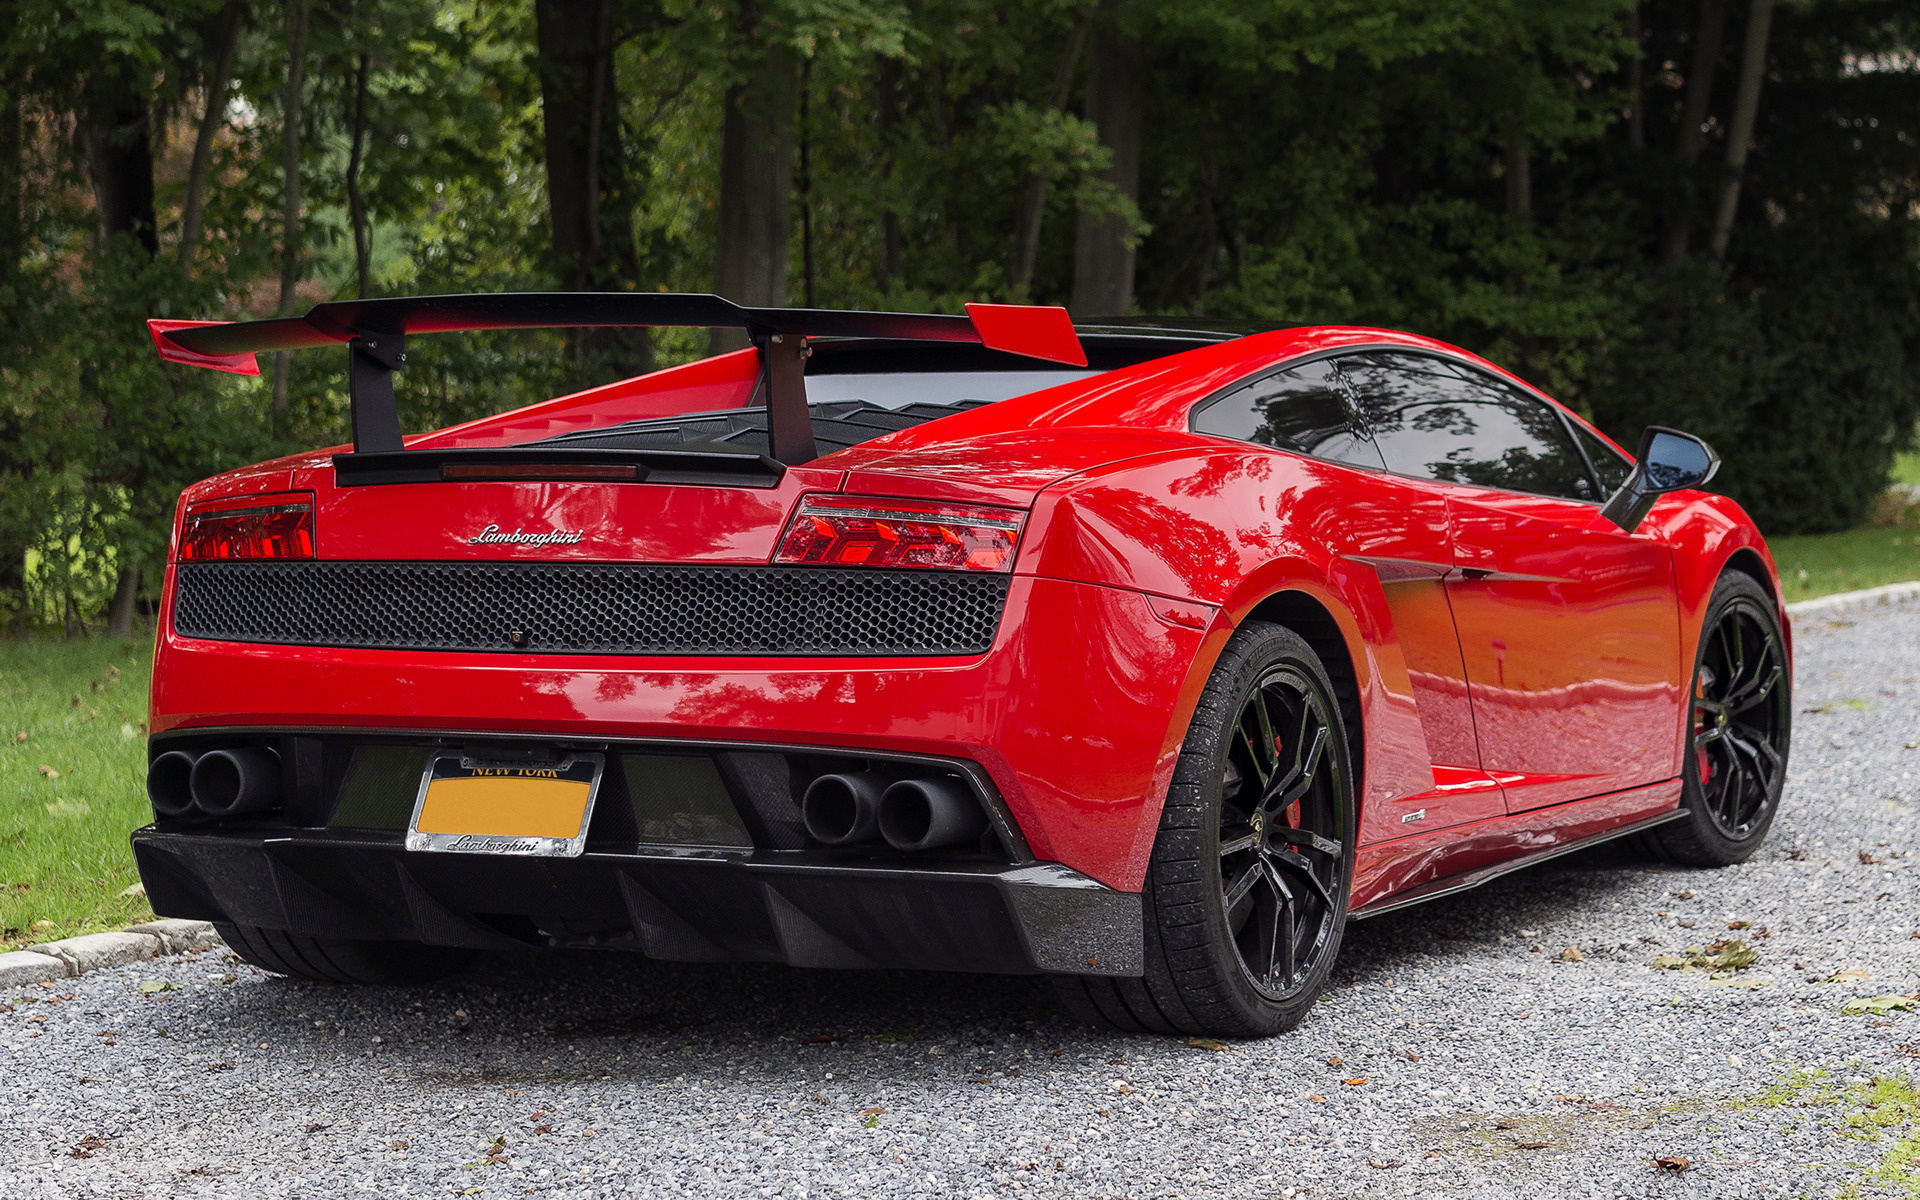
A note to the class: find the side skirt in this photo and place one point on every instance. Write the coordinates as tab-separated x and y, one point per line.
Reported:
1467	880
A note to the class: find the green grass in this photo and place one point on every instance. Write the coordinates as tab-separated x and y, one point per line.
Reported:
64	858
1823	563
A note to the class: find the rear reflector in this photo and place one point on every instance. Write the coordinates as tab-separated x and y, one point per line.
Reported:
847	531
276	526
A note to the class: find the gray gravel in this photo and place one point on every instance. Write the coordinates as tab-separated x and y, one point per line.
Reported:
1491	1067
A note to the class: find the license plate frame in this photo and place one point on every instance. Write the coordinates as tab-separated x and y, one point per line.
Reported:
464	772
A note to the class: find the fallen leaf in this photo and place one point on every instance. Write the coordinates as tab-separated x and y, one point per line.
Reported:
1531	1145
1200	1043
1868	860
1317	1098
1354	1082
149	987
1878	1004
821	1039
21	736
49	772
138	889
87	1146
1336	1062
396	1145
542	1129
1683	895
317	1127
1410	1056
872	1112
1672	1163
1739	925
1383	1166
1571	954
224	1066
1848	975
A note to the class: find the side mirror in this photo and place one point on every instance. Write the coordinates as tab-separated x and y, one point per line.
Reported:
1669	461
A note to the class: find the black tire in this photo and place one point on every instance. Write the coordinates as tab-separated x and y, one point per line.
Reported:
1738	725
327	960
1216	834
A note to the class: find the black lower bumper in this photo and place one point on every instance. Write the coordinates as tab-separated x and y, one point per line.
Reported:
688	905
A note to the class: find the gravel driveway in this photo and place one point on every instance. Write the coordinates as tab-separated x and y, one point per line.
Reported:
1464	1049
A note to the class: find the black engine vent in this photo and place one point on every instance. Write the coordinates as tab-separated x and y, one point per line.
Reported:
590	608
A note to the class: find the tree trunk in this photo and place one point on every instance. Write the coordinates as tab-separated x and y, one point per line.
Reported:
12	186
1116	103
806	183
1691	138
126	596
119	152
356	207
756	183
218	72
1636	83
1033	201
589	198
291	97
1746	106
886	117
1519	175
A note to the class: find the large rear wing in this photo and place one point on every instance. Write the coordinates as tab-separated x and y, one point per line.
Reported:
375	335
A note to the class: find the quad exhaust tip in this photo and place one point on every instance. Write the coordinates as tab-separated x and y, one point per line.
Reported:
908	814
843	809
927	814
169	783
215	783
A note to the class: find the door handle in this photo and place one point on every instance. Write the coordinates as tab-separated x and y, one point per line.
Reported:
1475	574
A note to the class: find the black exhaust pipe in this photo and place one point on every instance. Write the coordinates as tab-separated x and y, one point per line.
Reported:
926	814
839	810
169	783
228	783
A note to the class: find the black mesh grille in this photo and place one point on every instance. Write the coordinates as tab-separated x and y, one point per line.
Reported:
590	608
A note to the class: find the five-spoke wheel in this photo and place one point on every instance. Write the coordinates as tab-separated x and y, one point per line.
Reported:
1282	831
1738	726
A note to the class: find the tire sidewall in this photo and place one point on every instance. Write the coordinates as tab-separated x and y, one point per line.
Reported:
1705	833
1256	649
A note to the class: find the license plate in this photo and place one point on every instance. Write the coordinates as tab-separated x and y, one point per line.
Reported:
473	806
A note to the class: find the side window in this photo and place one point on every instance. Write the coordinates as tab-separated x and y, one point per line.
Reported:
1609	465
1433	420
1302	410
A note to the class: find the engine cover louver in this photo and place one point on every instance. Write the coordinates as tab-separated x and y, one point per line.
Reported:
590	608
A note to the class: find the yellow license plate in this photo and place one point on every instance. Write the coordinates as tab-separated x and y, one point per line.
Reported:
472	806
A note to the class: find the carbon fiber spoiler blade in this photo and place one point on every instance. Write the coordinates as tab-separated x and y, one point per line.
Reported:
375	333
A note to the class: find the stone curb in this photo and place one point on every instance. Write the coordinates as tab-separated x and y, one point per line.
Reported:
1874	597
75	956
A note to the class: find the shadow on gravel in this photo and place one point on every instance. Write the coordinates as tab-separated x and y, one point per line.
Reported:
547	1018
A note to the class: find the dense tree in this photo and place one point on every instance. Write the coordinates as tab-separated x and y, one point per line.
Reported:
1698	212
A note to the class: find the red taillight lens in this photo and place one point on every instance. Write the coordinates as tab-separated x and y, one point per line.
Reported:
847	531
277	526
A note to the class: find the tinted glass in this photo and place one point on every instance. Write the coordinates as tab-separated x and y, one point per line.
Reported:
1302	410
1437	421
1609	465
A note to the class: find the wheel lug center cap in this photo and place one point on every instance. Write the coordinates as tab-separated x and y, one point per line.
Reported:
1259	825
1723	718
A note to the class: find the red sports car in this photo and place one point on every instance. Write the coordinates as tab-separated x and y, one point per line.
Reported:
1141	658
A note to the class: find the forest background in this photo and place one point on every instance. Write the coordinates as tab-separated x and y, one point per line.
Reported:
1699	213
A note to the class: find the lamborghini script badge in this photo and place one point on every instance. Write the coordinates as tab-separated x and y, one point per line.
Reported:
491	536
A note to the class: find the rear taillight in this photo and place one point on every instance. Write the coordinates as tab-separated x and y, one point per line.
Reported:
847	531
276	526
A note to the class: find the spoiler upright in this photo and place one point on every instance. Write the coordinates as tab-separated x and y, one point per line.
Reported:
375	334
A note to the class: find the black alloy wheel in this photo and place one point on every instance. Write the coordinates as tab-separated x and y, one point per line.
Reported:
1282	833
1738	726
1247	888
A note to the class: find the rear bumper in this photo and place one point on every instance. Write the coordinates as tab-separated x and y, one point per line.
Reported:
690	905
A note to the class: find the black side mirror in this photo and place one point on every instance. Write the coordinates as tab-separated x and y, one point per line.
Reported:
1669	461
